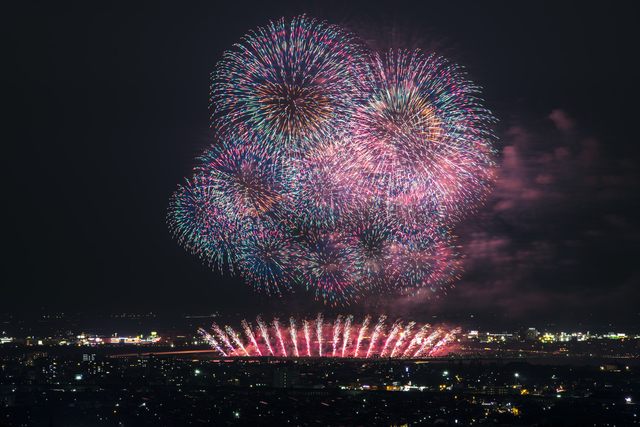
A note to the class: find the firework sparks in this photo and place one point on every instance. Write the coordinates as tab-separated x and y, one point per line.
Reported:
288	83
307	339
223	337
249	332
325	264
276	326
403	335
417	339
319	325
335	168
428	343
347	330
392	334
265	334
448	337
336	334
236	339
376	332
197	221
400	342
294	336
212	341
365	323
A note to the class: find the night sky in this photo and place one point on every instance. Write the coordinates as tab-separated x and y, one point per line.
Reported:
108	107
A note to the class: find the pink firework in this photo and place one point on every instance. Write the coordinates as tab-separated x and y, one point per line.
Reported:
236	339
402	338
265	334
249	332
444	341
276	326
314	133
319	324
428	342
365	323
336	334
392	334
223	337
294	335
417	339
334	339
211	340
347	330
376	332
305	327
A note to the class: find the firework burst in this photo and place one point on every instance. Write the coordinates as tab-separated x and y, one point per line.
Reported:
425	133
425	263
264	259
244	176
198	222
289	83
326	184
335	169
325	264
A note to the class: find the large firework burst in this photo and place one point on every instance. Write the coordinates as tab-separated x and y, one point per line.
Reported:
288	82
427	143
335	169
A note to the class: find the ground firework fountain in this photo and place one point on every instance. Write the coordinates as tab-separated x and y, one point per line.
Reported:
401	341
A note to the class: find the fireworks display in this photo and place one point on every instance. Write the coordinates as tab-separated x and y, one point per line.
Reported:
401	341
336	170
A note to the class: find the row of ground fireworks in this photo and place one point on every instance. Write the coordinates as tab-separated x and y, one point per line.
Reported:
343	338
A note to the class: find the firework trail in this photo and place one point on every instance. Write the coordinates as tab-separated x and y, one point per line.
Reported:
376	331
236	339
305	327
392	334
417	339
265	334
427	343
276	325
212	341
402	338
365	323
334	168
223	337
446	340
319	325
347	330
294	335
249	332
394	346
336	334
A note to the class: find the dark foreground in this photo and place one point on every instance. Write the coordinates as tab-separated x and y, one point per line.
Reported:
39	389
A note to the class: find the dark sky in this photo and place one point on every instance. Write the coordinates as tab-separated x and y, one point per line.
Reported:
108	110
